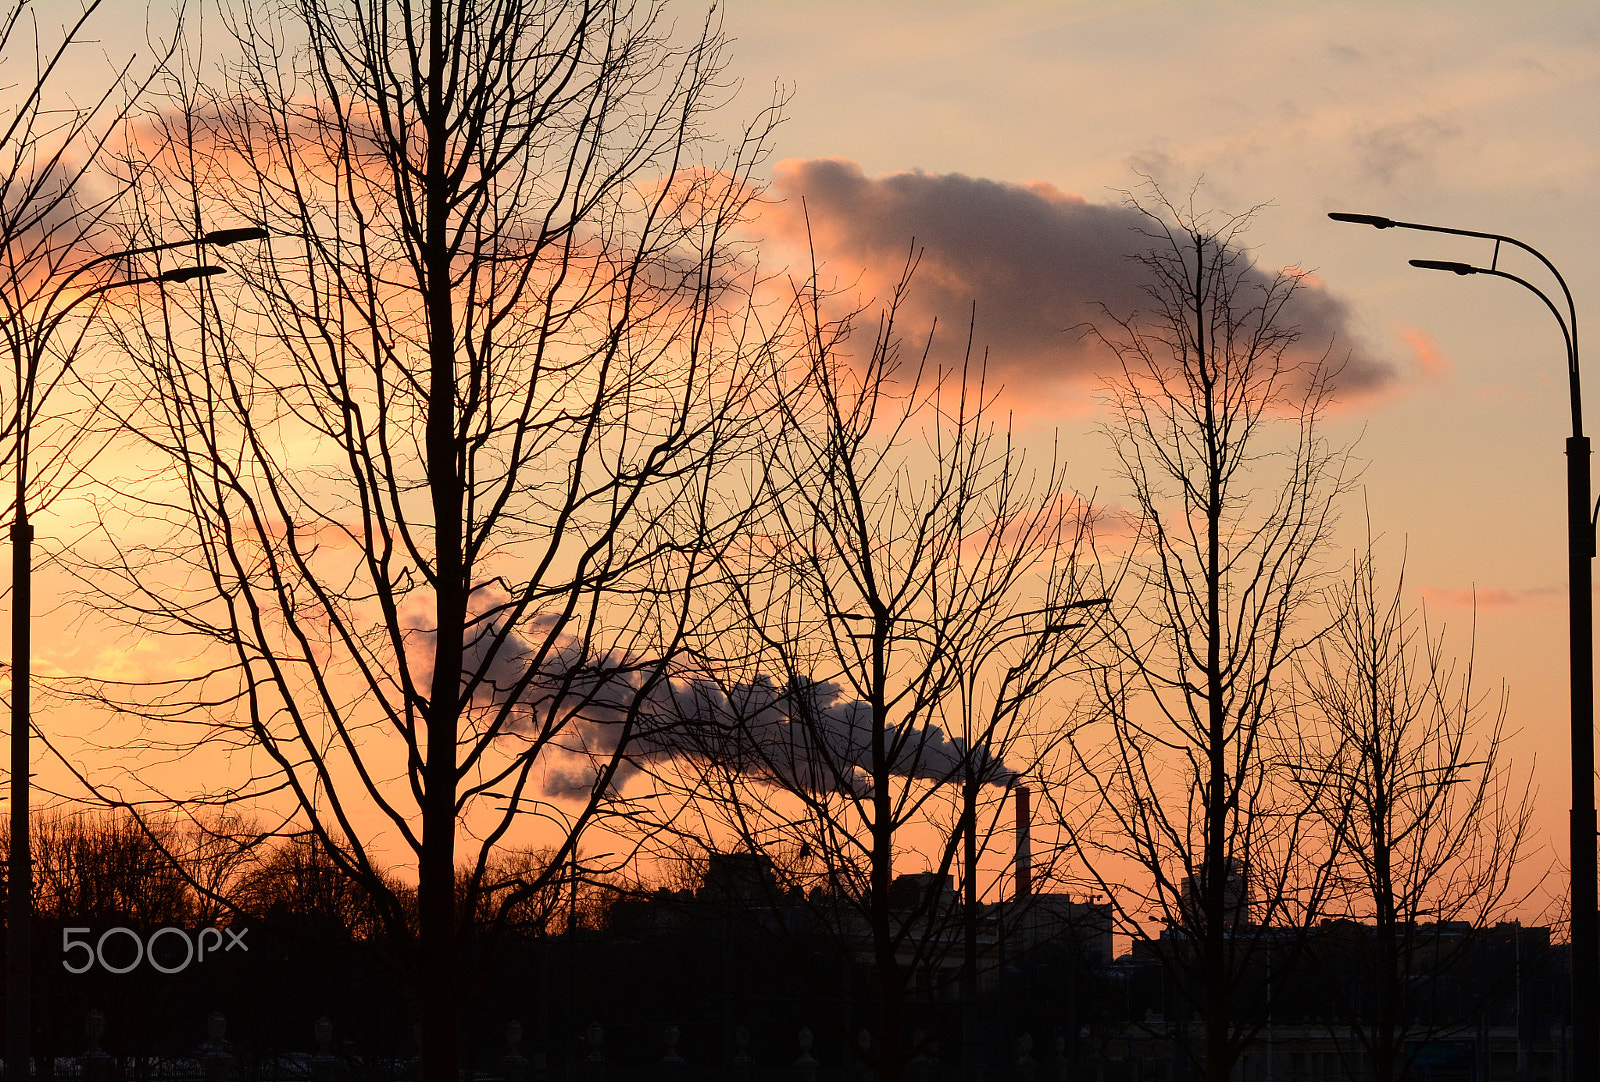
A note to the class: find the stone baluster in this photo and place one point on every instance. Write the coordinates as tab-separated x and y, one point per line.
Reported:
805	1068
215	1056
920	1069
97	1066
862	1056
324	1064
514	1065
672	1066
1026	1066
743	1066
594	1064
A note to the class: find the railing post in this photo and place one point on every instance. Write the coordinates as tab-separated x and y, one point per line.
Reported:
514	1065
804	1066
743	1065
920	1069
672	1067
215	1057
1027	1066
96	1065
594	1064
324	1064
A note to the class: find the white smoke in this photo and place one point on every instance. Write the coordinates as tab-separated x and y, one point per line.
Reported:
800	735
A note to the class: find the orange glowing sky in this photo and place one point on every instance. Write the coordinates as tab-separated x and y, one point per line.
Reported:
1478	115
1481	115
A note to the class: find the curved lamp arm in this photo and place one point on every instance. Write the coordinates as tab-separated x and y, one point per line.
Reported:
220	237
1379	222
1567	335
1569	322
177	274
26	397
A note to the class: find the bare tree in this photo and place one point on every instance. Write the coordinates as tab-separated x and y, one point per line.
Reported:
421	507
1413	783
1214	415
96	868
899	616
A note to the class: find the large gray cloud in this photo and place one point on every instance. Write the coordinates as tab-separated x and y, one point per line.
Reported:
1039	264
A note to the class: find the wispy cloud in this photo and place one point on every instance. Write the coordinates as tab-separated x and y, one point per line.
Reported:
1428	360
1473	597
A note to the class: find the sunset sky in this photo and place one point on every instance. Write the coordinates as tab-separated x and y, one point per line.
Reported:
974	123
1001	134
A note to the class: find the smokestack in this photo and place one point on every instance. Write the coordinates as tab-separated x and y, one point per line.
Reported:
1024	856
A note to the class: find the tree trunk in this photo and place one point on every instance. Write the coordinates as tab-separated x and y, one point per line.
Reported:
1215	870
436	887
886	1058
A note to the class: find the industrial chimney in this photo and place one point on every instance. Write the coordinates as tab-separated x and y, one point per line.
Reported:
1024	855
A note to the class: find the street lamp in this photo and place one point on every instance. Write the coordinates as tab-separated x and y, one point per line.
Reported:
19	880
1580	551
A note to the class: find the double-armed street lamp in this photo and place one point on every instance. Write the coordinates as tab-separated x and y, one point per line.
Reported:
1580	553
19	881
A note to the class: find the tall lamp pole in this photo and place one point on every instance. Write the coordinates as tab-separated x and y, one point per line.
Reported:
1580	553
19	879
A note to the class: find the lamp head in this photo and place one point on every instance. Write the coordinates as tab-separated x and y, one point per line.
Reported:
1373	220
233	236
1445	265
186	274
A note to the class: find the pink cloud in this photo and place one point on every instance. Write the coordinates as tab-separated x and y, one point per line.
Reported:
1494	598
1070	517
1426	357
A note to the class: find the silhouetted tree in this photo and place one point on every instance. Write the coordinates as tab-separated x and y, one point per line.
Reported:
899	616
97	869
425	499
1429	819
303	893
1214	417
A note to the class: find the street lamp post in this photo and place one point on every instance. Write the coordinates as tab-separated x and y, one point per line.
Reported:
1580	553
19	880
